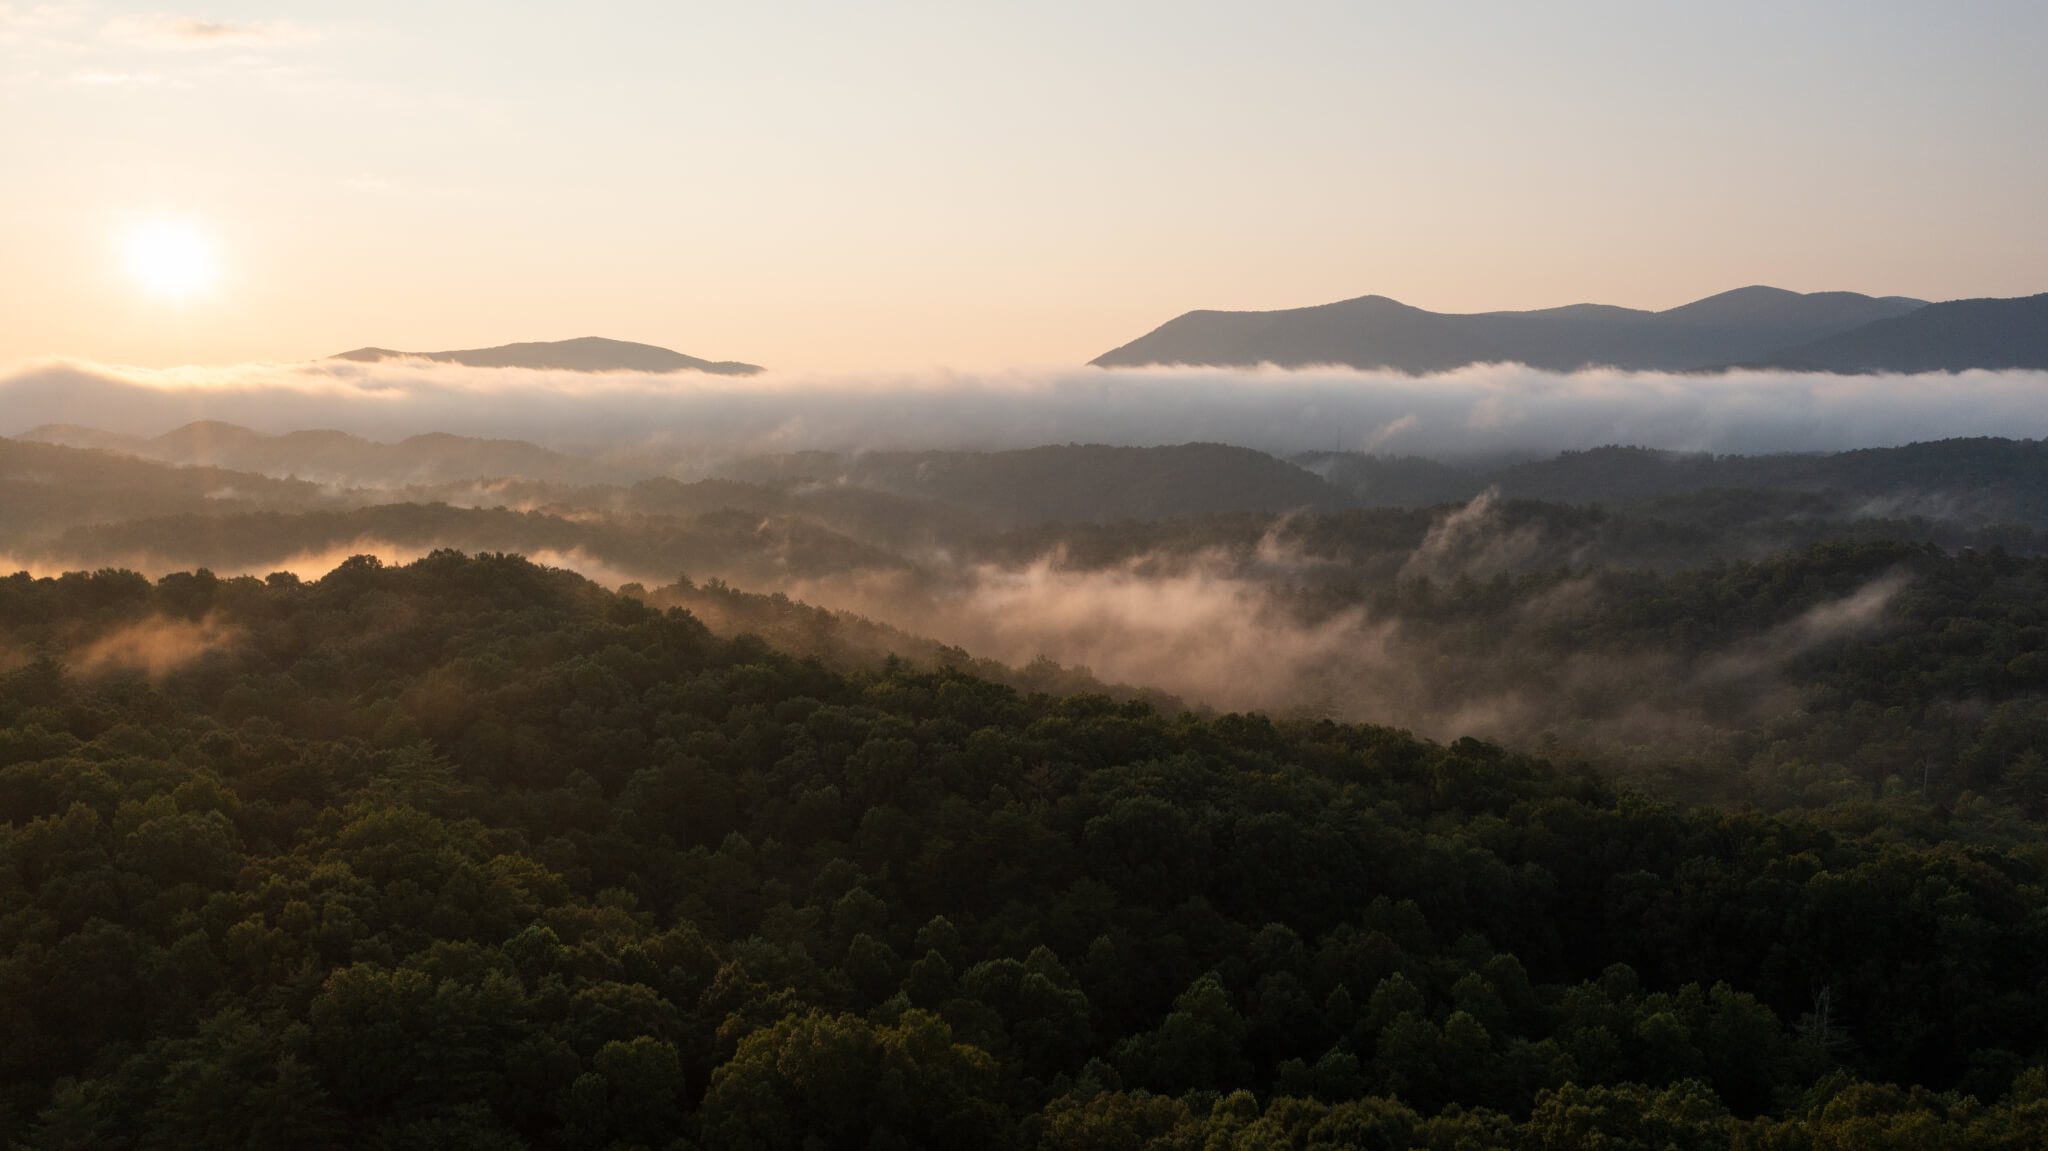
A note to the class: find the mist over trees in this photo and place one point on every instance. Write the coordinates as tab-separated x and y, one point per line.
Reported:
1071	798
474	853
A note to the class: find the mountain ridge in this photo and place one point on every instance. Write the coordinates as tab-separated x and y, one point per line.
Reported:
1375	331
581	354
1958	335
335	456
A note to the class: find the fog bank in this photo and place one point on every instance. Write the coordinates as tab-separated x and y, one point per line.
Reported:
1479	411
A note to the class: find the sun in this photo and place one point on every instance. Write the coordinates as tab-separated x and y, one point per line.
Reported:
171	259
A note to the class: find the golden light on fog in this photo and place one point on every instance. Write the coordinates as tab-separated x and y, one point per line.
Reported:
170	259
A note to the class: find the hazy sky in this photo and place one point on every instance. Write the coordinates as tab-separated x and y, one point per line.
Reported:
858	185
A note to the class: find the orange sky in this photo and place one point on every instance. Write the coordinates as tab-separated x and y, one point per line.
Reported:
854	187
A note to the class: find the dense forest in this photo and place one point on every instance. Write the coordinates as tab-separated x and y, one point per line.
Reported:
1849	628
473	853
1074	798
1724	647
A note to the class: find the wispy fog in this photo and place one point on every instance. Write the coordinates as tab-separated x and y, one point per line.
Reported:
155	647
1247	624
1234	631
1481	411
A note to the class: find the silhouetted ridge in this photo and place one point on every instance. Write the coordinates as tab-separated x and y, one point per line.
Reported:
585	354
1376	332
1956	336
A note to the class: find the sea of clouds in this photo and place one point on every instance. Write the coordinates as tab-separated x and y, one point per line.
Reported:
1482	411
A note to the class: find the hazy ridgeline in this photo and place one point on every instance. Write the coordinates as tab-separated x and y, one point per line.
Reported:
1716	626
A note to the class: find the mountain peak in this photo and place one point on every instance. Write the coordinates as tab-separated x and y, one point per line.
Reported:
1764	306
1955	336
581	354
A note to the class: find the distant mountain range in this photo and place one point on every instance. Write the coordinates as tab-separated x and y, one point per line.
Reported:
1955	336
585	354
1752	327
921	499
334	457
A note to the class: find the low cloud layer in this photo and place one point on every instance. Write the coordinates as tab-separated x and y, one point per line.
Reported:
1480	411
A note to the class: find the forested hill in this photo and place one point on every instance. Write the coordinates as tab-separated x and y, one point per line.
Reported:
1070	482
473	854
1979	479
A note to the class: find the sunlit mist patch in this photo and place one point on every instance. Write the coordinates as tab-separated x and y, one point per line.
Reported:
154	647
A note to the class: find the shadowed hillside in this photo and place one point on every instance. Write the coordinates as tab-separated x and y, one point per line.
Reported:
1073	482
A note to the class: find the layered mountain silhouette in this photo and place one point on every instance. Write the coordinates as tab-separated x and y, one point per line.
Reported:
585	354
334	457
1743	326
1952	337
918	500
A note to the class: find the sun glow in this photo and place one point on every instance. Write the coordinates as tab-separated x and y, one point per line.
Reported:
171	259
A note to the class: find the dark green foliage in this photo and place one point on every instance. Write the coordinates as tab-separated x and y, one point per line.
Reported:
471	853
